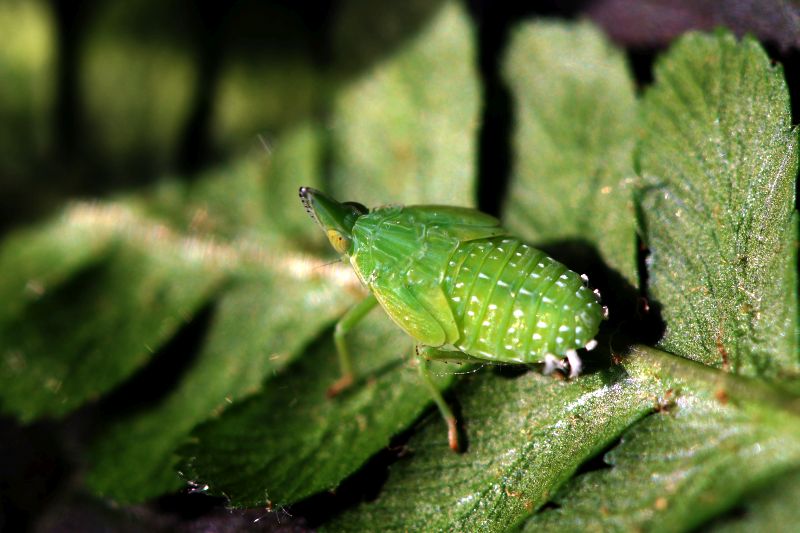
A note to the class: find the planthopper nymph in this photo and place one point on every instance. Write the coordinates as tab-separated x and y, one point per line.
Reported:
460	285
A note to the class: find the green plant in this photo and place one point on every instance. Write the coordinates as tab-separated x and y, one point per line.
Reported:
706	420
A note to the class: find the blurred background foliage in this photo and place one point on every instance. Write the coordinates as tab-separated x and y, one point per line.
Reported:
100	97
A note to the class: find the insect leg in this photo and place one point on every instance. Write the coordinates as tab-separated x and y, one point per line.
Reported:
424	355
551	364
352	317
575	364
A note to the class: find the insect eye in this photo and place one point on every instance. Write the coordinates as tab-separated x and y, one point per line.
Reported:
357	207
339	242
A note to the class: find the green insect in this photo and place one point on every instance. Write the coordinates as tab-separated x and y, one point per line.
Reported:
460	285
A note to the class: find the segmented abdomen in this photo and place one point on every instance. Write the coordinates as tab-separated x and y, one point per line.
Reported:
514	303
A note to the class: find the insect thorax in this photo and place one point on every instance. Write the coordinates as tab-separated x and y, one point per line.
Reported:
395	243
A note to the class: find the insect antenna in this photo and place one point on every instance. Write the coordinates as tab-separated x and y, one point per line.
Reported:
329	263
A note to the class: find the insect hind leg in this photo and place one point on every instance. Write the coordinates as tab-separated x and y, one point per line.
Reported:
553	363
575	363
426	354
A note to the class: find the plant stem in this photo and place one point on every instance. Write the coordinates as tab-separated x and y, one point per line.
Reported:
675	371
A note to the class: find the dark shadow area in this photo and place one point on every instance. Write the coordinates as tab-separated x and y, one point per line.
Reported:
183	513
195	148
653	328
548	506
510	371
494	138
648	310
451	397
363	486
789	60
641	62
597	462
153	382
188	505
70	18
32	469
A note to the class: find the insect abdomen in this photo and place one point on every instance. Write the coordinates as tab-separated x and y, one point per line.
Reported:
513	303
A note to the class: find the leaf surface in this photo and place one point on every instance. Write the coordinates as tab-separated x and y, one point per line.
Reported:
395	131
676	469
90	320
290	441
771	508
526	436
406	133
575	117
276	299
718	164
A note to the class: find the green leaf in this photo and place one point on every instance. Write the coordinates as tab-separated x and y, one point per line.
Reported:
357	46
575	116
260	325
678	468
526	435
250	202
406	132
770	508
27	69
121	276
395	131
718	163
396	138
79	336
290	441
270	91
273	305
36	259
296	161
123	82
